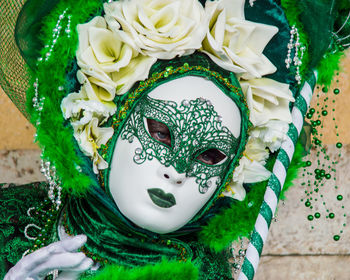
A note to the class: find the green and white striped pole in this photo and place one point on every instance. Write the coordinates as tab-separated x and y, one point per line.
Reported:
276	181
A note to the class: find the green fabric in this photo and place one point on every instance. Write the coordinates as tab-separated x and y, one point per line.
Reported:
318	19
276	49
28	27
112	237
14	203
13	73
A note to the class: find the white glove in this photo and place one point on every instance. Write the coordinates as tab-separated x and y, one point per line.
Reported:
60	255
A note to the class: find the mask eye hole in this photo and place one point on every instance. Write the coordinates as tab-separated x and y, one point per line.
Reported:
211	157
159	131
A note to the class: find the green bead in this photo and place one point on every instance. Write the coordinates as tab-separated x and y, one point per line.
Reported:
186	65
318	177
336	91
318	122
308	163
339	145
310	217
324	113
317	215
336	237
166	74
328	176
312	110
317	171
324	89
339	197
309	115
307	203
331	215
317	142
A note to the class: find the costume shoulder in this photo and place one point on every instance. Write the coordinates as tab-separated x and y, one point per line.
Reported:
19	220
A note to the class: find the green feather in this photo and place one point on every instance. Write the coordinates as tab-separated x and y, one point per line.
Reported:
162	271
328	66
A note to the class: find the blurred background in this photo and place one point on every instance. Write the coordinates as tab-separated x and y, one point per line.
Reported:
298	247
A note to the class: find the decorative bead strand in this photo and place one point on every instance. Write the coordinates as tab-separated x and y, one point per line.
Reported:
38	103
55	189
68	31
55	35
294	43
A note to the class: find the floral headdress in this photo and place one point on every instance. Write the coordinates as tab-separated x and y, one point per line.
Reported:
119	49
85	63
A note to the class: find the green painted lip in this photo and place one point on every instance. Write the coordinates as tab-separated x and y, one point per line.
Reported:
160	198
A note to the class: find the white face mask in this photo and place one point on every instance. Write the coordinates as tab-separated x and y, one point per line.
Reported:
172	153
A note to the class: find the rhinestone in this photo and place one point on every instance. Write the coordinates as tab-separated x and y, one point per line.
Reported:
138	151
185	103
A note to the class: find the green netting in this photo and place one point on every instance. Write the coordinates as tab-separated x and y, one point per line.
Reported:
13	75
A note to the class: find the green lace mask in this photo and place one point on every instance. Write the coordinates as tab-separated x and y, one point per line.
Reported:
200	146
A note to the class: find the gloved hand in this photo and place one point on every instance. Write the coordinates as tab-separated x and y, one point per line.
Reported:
60	255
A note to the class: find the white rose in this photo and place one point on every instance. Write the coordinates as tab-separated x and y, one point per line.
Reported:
256	150
273	133
236	44
107	61
90	138
159	28
267	100
250	171
235	190
91	101
80	110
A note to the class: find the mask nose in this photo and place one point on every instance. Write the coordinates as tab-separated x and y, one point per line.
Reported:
171	175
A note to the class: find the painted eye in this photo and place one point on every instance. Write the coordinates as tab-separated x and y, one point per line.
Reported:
211	156
159	131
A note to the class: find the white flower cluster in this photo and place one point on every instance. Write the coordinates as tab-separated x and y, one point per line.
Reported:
117	50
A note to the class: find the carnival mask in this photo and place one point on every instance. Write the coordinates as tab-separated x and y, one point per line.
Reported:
173	153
